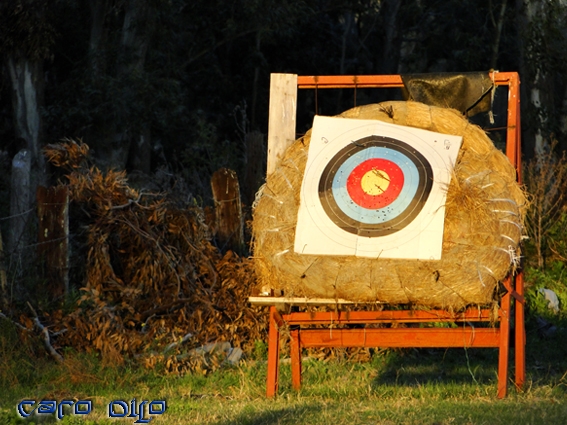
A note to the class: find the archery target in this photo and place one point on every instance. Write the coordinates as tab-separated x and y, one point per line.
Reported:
374	189
376	186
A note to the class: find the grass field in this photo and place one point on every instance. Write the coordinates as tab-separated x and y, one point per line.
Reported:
394	387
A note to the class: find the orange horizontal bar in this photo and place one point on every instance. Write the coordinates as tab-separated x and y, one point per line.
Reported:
401	337
405	316
346	81
370	81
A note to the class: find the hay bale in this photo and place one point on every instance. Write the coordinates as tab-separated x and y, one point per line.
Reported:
483	226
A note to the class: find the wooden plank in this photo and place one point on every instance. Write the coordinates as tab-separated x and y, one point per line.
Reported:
468	337
296	301
282	116
471	314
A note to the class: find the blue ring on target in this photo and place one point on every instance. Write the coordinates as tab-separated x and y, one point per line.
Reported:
356	219
342	198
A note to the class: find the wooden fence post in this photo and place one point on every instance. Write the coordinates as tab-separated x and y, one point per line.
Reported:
228	210
53	237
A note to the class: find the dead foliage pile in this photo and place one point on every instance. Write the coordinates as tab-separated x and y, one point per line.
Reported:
154	285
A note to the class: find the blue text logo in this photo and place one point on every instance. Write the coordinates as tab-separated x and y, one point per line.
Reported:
26	408
120	409
116	409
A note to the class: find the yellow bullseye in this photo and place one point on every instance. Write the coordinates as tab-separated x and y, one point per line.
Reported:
375	182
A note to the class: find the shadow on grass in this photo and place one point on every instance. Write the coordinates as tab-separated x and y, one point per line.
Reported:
422	366
546	364
546	356
288	415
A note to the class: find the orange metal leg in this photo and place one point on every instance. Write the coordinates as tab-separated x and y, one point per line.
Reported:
295	353
504	346
273	354
520	333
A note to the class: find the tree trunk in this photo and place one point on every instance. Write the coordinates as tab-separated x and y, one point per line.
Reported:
27	97
21	211
537	101
124	140
255	165
498	26
256	80
348	24
28	165
539	95
136	34
520	21
141	152
26	41
3	278
99	9
348	20
392	42
563	121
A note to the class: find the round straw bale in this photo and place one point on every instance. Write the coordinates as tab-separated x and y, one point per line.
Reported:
483	226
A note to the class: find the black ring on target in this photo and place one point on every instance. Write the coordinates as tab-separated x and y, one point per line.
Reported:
381	221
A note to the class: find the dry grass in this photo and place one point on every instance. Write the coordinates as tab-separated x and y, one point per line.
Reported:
546	181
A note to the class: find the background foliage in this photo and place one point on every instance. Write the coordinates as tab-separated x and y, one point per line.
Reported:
201	82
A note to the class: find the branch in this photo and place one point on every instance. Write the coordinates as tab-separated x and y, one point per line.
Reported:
42	329
46	340
134	201
18	325
176	343
146	315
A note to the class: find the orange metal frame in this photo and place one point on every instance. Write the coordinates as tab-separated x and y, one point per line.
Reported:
303	334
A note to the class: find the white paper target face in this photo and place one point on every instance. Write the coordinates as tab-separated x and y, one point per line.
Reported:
373	189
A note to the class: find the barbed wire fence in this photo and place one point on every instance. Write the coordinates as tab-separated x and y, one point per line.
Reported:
36	252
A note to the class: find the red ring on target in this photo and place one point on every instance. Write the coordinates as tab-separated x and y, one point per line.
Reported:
375	183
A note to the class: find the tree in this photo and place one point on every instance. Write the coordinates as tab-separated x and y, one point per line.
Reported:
26	38
543	66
